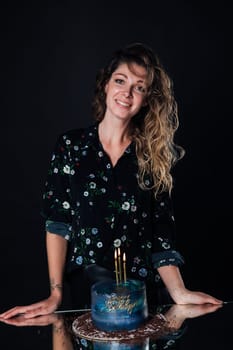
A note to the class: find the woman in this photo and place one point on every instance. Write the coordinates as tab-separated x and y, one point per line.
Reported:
110	186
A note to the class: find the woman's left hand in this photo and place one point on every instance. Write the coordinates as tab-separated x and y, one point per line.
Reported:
195	297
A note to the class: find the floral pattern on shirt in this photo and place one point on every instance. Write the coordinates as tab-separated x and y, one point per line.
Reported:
102	204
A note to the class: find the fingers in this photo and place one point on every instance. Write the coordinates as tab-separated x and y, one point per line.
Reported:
36	321
216	301
203	298
28	311
13	312
193	297
208	308
43	307
37	311
201	309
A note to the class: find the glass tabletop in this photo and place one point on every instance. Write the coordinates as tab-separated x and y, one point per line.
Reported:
181	327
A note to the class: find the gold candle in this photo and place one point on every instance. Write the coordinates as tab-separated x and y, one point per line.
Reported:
119	265
116	267
124	267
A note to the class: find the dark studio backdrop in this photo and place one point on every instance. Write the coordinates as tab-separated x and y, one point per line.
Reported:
49	58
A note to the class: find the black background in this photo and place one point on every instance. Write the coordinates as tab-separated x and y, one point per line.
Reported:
49	58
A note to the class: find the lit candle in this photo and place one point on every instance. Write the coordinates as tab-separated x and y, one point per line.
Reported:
116	267
119	264
124	267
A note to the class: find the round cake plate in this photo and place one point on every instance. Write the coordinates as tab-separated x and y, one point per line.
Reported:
155	327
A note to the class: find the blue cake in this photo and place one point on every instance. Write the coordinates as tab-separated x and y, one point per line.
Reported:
118	307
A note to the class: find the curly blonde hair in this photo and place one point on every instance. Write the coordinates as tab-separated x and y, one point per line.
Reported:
154	127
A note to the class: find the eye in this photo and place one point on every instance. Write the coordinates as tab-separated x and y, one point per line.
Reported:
141	89
119	81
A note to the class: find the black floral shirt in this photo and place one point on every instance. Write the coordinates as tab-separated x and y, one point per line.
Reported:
98	207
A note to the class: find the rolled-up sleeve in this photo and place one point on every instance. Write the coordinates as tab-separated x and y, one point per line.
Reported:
170	257
59	228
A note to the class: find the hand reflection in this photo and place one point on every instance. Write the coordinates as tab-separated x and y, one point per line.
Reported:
177	314
61	334
44	320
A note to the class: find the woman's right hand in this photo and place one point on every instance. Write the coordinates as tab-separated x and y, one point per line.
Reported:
43	307
56	250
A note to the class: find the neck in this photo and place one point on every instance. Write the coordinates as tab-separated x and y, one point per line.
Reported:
117	133
114	139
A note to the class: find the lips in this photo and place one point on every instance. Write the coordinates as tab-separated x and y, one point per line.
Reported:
122	103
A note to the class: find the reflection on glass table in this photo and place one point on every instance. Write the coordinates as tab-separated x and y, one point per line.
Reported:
167	327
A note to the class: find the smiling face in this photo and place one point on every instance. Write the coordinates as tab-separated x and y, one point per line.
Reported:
126	91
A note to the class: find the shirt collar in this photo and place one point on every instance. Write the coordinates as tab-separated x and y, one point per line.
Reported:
91	139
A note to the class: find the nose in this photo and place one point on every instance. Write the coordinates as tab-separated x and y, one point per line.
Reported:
128	91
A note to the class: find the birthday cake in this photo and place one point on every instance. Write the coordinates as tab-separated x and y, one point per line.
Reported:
119	318
118	306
